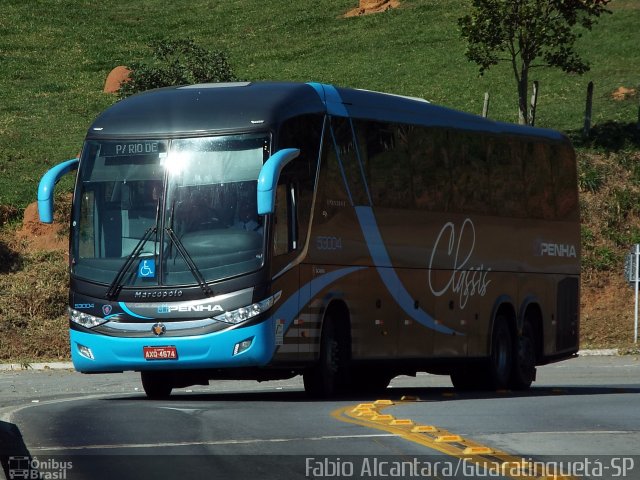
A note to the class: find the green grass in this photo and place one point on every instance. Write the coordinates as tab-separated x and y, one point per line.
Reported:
56	54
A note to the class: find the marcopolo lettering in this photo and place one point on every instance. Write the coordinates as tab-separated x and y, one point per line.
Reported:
158	294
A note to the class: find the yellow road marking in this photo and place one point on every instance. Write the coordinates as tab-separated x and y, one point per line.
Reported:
369	415
448	438
402	421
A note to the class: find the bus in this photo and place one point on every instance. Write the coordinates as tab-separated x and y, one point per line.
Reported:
388	236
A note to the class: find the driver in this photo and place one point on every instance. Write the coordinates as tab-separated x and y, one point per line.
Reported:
195	213
247	218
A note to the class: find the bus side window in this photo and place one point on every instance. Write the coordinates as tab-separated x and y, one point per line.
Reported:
386	159
86	237
565	181
285	236
507	178
539	188
469	173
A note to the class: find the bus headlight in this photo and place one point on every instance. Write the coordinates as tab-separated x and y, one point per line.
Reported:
245	313
84	319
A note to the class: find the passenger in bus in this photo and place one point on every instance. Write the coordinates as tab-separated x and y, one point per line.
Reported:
248	215
152	190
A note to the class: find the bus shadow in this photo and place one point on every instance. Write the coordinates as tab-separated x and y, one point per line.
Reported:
15	457
398	394
449	393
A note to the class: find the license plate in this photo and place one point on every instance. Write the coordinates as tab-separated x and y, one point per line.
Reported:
160	353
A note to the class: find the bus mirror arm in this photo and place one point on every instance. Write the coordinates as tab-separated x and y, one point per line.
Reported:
47	184
268	178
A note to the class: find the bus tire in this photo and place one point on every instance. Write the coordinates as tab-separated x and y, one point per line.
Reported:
156	385
501	357
327	377
523	372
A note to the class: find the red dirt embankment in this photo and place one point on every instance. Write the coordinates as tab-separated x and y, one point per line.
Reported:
367	7
41	236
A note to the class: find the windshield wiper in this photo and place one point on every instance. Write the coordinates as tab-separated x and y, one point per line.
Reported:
116	285
189	261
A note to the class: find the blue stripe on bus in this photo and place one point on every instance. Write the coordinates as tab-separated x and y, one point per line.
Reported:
331	99
360	163
291	307
369	227
127	310
344	176
389	276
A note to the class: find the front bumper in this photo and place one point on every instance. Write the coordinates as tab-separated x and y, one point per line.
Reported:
213	350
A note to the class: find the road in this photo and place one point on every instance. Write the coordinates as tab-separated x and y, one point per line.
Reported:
582	415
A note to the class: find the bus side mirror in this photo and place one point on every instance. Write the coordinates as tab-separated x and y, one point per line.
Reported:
268	178
47	184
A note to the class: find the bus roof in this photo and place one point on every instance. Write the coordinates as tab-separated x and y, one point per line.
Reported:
257	106
219	107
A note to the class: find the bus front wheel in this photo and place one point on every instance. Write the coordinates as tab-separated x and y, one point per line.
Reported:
156	385
327	377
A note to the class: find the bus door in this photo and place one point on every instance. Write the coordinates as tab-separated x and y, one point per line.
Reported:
285	272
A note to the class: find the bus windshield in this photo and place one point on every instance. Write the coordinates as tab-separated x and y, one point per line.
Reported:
168	212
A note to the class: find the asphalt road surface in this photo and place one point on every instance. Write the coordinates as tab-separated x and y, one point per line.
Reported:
581	419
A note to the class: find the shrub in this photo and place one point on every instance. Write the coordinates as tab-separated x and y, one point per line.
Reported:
178	62
601	259
622	204
591	177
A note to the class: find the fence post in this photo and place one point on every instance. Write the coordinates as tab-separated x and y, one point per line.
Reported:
534	103
587	112
485	105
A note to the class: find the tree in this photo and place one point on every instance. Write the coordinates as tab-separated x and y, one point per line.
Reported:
528	34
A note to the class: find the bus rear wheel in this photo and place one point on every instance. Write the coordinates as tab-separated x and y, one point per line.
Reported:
524	362
501	358
328	377
495	373
156	385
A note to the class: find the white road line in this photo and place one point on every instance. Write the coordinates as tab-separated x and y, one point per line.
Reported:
7	413
568	432
206	442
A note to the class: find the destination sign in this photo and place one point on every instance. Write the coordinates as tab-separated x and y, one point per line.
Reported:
118	149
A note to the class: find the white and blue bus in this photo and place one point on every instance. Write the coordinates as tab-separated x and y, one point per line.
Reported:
266	230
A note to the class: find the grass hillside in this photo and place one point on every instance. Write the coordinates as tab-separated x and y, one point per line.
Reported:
56	54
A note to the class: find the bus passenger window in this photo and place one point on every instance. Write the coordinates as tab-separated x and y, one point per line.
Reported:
386	159
86	236
565	181
539	192
281	231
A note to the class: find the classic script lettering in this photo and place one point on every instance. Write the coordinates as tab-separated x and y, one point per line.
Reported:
453	253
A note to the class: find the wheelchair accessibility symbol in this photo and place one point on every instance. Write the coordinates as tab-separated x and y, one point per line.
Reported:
147	269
